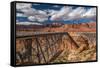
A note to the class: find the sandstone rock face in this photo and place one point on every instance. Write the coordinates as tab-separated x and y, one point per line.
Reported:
85	52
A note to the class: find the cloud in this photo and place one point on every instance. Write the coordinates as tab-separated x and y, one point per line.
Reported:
28	23
65	13
32	18
59	14
39	18
20	15
23	6
42	12
28	10
52	12
91	13
31	13
76	13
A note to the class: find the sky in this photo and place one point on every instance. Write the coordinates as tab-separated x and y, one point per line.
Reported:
35	13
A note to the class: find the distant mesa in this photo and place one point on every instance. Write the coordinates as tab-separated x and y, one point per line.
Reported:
55	24
28	26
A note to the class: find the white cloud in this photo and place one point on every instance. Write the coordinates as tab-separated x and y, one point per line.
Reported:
32	18
39	18
31	13
20	15
41	12
63	12
67	13
77	13
37	15
90	13
52	12
23	6
28	23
